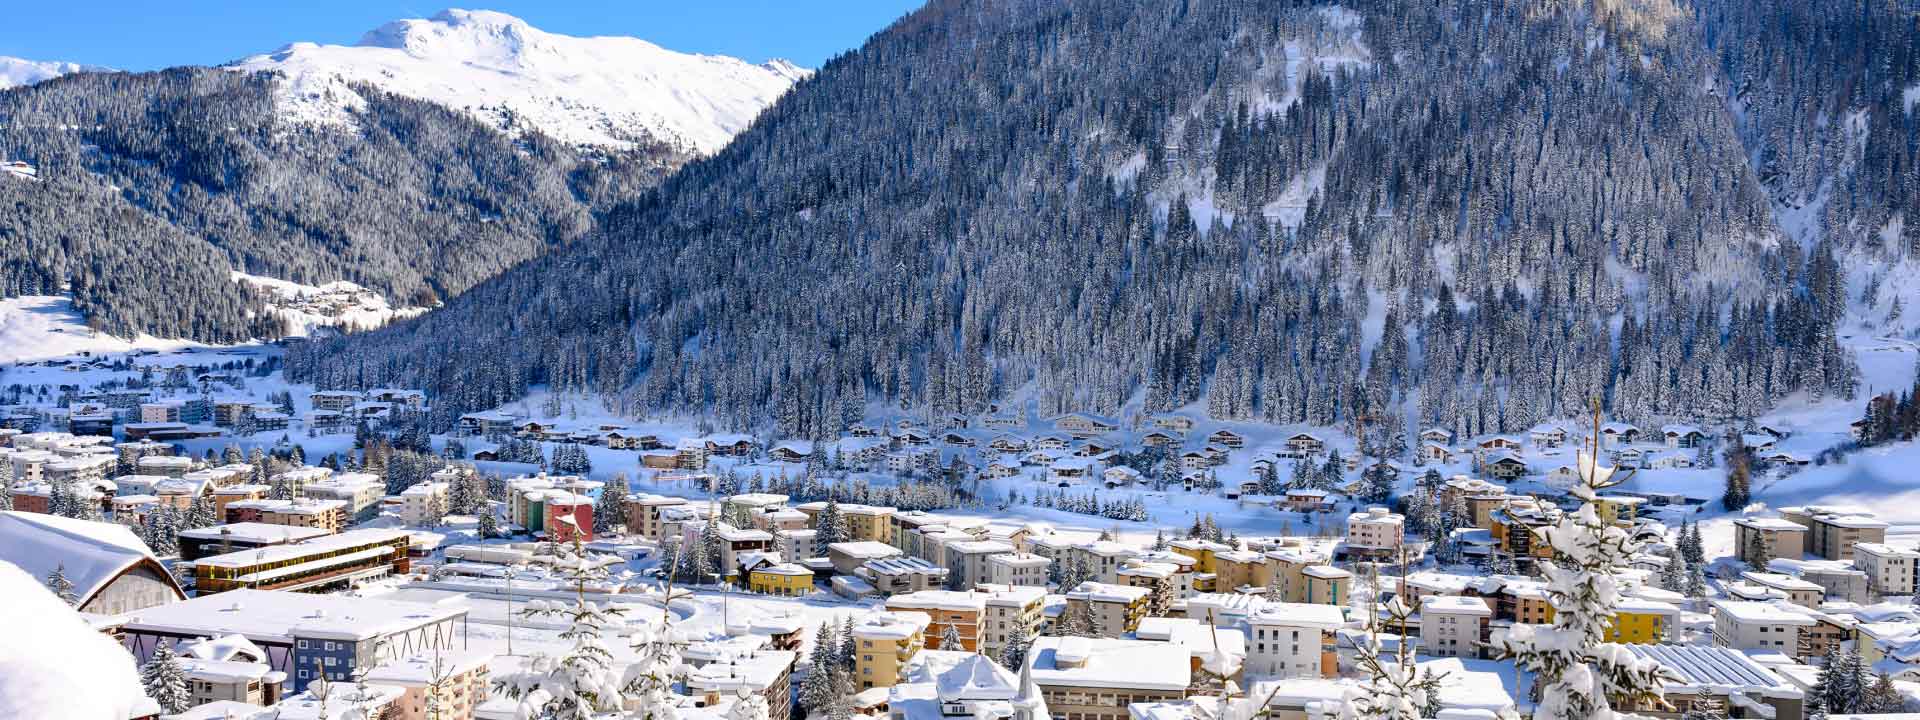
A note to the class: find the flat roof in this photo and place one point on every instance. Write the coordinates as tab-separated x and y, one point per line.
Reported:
1111	663
280	553
255	532
270	616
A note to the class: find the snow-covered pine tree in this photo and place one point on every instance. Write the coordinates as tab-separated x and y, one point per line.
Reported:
488	524
950	638
584	680
611	510
1578	672
817	692
165	681
1014	653
829	528
61	587
1395	689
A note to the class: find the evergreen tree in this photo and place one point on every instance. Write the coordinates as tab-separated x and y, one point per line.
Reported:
1738	491
62	587
488	525
1758	553
1580	673
611	509
1013	655
165	681
950	638
829	527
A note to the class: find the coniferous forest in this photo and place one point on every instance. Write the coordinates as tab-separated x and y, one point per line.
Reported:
154	187
1491	210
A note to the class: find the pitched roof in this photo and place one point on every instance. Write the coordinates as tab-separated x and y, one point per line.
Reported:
90	554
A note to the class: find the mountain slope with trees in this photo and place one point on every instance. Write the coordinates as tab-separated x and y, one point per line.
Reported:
1476	213
154	187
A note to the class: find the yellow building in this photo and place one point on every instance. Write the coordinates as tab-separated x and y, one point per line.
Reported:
1327	585
1642	622
1618	509
884	643
868	522
1201	551
790	579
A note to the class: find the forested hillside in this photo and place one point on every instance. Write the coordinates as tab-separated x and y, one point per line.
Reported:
154	187
1478	213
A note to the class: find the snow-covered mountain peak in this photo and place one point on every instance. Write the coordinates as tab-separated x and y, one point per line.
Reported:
607	91
16	71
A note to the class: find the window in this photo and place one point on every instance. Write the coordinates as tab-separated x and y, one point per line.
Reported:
303	646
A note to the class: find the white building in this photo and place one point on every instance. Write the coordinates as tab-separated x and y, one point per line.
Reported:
424	503
968	562
1018	569
1293	639
1890	570
1453	626
1375	532
1753	625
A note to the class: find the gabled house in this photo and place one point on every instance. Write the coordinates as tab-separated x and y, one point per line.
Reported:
1085	425
1306	444
1617	434
1436	452
1547	436
1160	438
1505	466
1436	435
1009	444
1682	436
1228	438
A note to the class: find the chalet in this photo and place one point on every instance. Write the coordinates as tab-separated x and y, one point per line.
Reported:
1173	423
1217	453
1682	436
1505	466
1009	444
1670	460
950	421
1261	465
1228	438
1306	444
1042	457
622	440
1628	457
1547	436
1782	457
861	430
485	423
911	436
1759	443
1070	471
335	400
1084	425
1194	460
1499	442
1052	442
1436	452
111	570
730	445
1563	476
1120	476
1617	434
1777	431
863	451
1436	435
1159	438
532	429
792	451
956	439
1250	487
1307	500
486	455
1002	421
1094	448
1003	469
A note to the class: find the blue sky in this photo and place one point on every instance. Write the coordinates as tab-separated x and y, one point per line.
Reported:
145	34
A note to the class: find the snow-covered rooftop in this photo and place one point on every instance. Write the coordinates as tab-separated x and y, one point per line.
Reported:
270	616
90	554
1110	663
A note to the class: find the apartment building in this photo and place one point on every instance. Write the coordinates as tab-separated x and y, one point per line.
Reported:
883	645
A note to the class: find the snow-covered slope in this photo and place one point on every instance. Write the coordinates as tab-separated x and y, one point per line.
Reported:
15	71
608	91
339	304
40	327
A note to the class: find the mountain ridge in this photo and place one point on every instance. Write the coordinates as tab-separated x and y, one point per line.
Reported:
607	91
